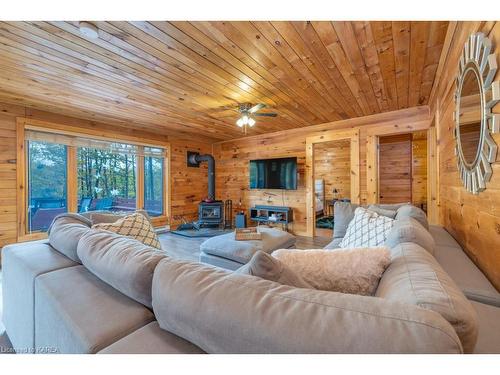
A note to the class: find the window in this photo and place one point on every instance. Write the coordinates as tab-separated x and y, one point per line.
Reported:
70	173
47	195
106	180
153	183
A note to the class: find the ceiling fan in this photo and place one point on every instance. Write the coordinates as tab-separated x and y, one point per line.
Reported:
248	112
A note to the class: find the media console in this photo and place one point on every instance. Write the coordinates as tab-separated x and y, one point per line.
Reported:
272	214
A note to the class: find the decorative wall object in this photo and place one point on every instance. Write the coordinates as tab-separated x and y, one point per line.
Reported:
475	96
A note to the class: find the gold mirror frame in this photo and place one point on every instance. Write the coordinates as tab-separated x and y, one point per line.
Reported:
477	56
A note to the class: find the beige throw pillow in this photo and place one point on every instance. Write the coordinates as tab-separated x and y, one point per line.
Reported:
353	271
134	226
270	268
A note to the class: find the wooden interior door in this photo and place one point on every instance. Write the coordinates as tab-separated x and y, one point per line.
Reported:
395	168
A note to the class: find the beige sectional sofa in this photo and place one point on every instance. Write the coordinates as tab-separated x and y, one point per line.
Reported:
54	303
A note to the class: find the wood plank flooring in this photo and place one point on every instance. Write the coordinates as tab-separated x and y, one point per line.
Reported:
189	248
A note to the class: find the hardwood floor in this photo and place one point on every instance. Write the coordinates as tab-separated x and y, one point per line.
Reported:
189	248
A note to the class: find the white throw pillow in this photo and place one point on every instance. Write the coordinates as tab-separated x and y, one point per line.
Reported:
353	271
366	229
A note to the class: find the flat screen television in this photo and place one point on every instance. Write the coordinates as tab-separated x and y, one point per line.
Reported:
273	174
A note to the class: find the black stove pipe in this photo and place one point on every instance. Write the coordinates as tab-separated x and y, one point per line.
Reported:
195	159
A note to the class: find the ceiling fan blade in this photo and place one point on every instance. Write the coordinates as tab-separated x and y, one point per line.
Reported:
256	107
266	114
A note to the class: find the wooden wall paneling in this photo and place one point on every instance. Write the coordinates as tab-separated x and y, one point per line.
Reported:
343	71
353	137
401	36
310	201
419	37
347	37
355	168
474	220
72	179
372	152
304	41
21	178
395	169
432	177
139	190
332	164
187	78
372	188
189	185
232	159
205	34
382	35
368	48
419	169
8	175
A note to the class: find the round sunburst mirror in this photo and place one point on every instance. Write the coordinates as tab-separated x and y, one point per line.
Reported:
476	95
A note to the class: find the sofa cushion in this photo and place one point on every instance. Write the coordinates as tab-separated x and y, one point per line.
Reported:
335	244
415	277
151	339
409	210
135	226
344	213
366	229
21	264
354	271
227	247
78	313
225	312
391	206
488	341
410	230
382	211
268	267
217	261
122	262
462	269
98	217
65	232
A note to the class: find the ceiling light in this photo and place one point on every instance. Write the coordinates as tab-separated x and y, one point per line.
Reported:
88	30
245	119
240	122
251	122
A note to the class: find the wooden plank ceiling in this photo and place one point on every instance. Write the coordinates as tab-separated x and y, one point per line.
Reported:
188	77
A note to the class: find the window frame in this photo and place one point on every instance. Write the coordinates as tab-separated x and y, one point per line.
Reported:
23	124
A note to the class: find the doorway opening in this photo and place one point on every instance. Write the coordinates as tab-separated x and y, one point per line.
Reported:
332	171
402	168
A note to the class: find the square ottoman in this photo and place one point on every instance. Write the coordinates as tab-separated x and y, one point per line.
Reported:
224	251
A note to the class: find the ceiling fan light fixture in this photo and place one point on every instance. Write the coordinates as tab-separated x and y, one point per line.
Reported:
251	122
245	119
240	122
88	30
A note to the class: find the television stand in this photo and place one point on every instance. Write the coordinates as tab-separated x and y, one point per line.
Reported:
272	214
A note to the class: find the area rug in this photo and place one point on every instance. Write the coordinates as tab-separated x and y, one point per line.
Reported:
202	232
325	222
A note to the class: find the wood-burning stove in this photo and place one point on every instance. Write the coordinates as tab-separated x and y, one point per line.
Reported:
210	213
